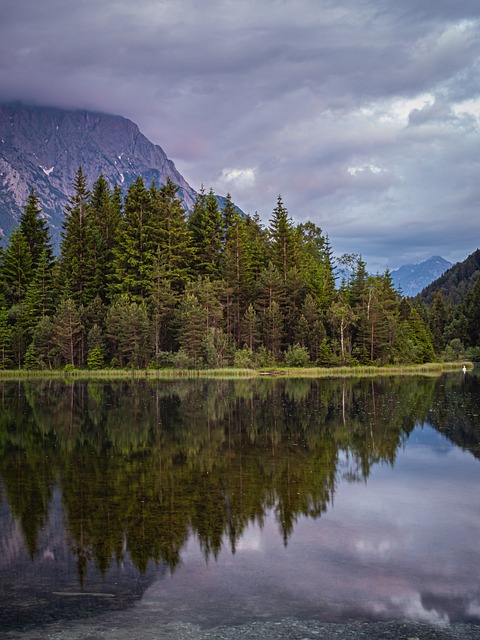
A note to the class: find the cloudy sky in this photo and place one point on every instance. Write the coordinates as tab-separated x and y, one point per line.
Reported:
363	114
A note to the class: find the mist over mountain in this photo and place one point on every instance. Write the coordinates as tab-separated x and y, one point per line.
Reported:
43	147
413	278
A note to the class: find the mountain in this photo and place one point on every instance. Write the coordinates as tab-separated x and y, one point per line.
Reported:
43	147
412	278
455	283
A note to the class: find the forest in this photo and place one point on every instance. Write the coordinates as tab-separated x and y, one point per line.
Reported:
139	282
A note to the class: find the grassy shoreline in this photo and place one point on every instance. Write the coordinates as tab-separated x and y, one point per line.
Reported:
428	369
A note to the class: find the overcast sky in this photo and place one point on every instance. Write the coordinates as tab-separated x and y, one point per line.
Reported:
362	114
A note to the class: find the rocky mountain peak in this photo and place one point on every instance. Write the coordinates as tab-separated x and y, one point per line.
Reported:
413	278
43	147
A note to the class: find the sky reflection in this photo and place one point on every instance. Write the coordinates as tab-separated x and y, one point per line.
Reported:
403	545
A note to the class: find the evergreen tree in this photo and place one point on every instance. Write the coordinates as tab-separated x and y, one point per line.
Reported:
316	263
102	233
96	351
6	353
200	312
256	258
73	250
162	303
272	329
471	312
44	343
16	268
35	231
310	329
419	338
270	302
134	255
284	241
295	292
40	294
191	333
67	331
234	269
171	237
437	318
205	225
250	328
128	329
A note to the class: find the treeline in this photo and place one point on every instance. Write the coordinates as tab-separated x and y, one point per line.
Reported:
139	283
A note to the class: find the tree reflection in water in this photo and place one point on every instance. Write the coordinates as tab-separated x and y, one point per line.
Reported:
141	466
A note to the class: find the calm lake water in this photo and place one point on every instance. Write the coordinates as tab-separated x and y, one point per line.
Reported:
182	506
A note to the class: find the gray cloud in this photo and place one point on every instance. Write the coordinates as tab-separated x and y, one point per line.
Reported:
363	114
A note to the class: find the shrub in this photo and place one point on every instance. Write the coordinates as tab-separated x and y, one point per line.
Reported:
297	356
244	358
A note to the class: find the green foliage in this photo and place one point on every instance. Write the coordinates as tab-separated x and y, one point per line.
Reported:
35	230
297	356
74	254
137	279
127	328
244	358
96	359
207	233
67	331
16	268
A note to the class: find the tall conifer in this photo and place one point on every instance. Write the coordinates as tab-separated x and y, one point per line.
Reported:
73	250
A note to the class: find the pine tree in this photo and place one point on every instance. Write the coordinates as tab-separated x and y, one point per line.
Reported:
284	243
102	232
200	312
270	302
234	269
250	328
6	354
256	255
35	231
40	294
134	255
171	239
16	268
128	329
73	250
419	338
161	304
191	333
205	225
67	330
310	330
438	319
316	263
44	342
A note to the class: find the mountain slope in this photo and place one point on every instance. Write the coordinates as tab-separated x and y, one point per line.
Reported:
43	147
457	281
412	278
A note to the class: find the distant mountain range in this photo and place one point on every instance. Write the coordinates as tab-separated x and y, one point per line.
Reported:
411	279
43	147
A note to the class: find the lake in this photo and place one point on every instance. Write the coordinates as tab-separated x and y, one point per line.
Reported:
215	508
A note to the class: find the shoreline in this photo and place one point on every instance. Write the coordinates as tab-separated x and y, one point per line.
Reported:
428	369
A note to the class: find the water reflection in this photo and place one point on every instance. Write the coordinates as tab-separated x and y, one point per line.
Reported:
107	484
